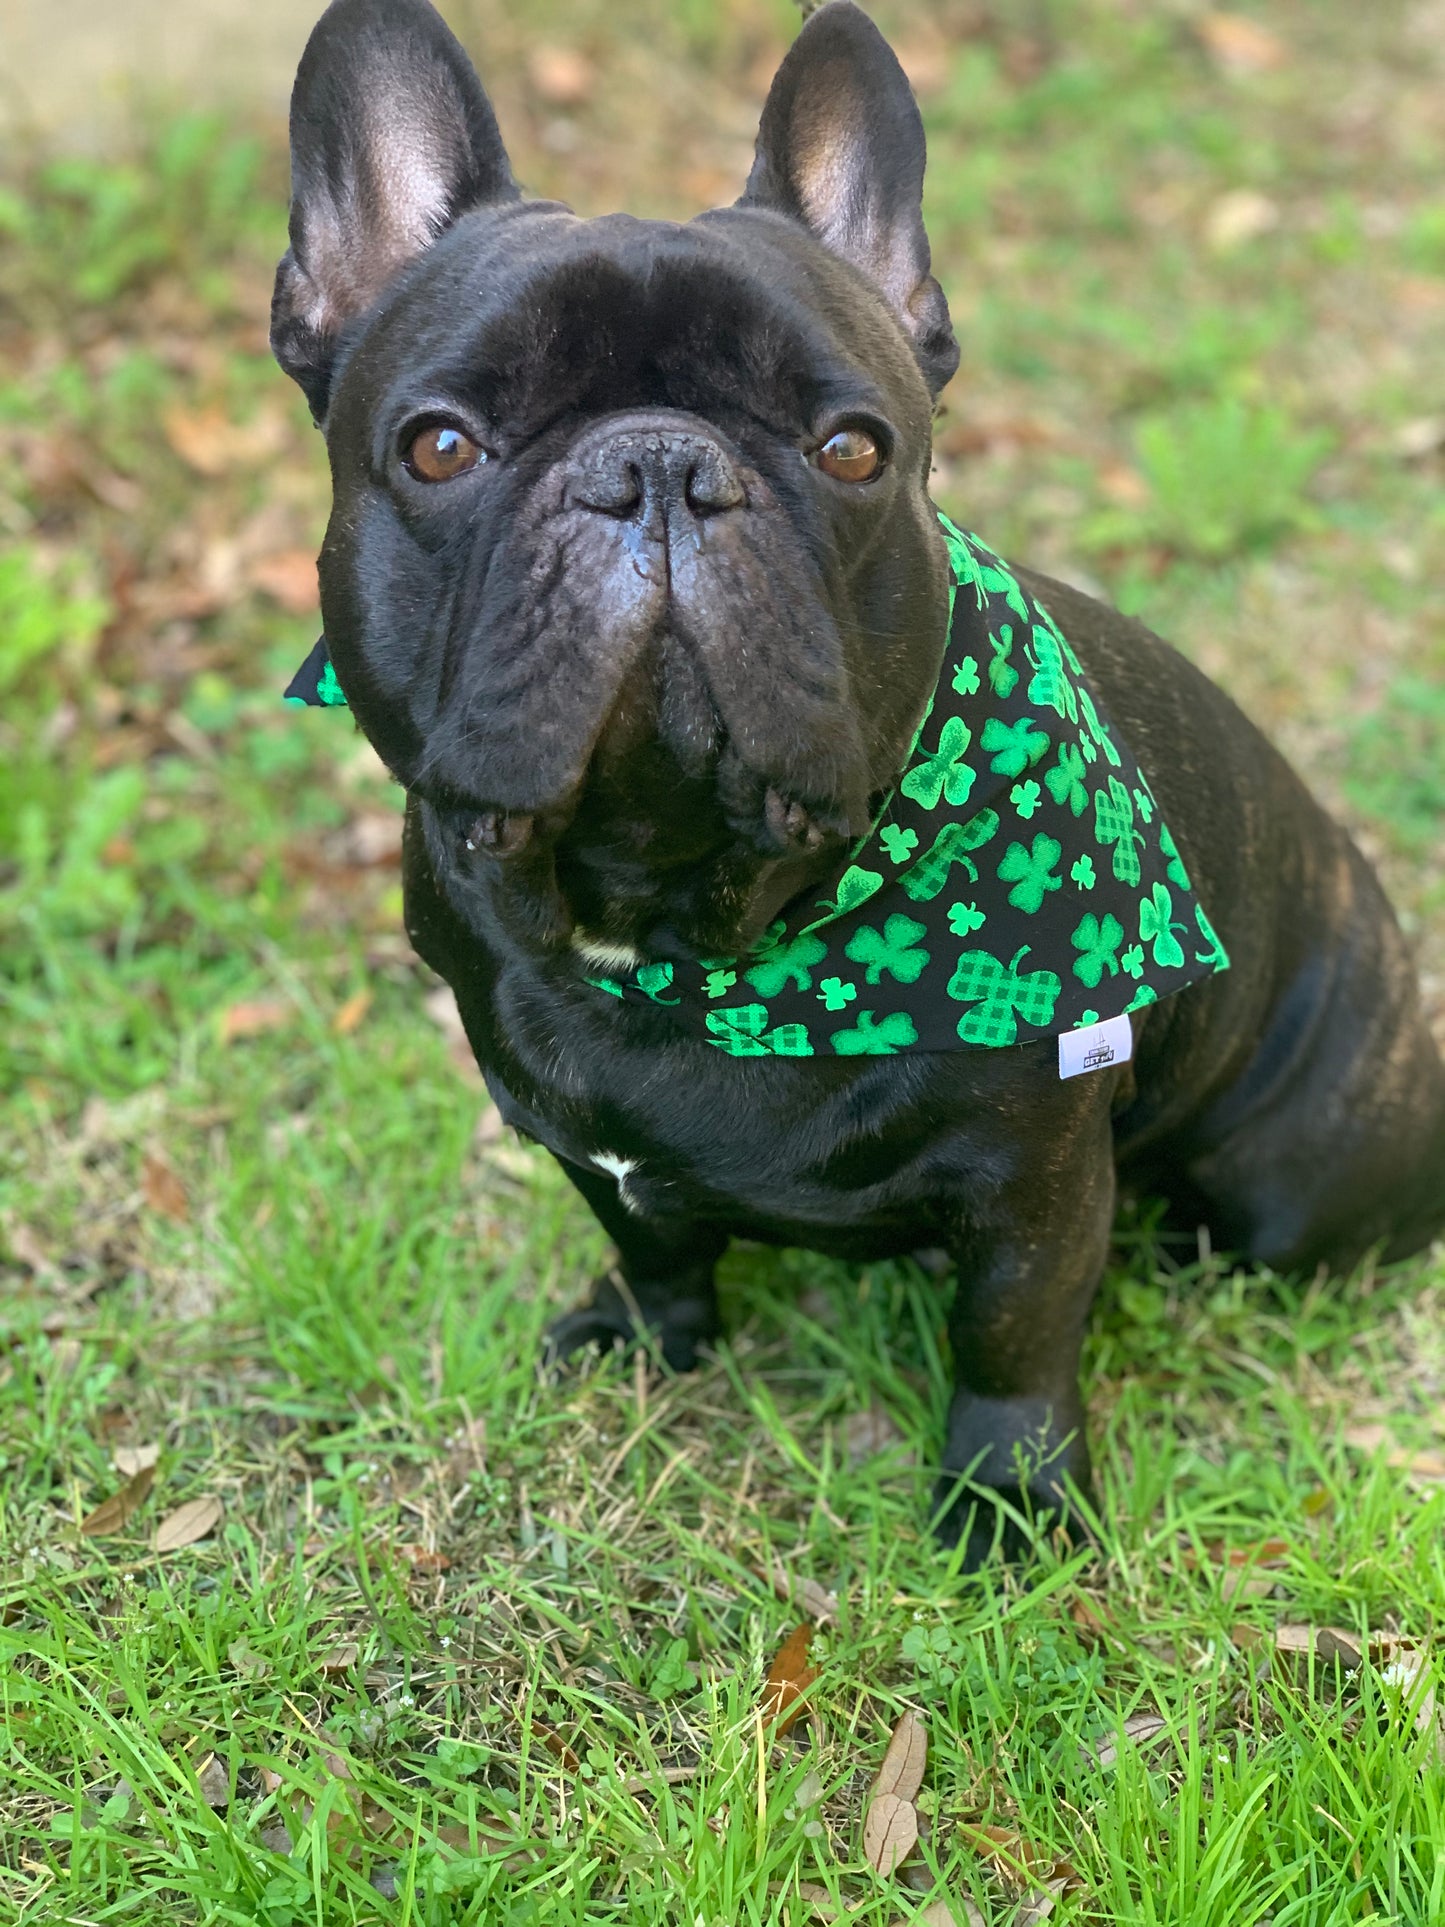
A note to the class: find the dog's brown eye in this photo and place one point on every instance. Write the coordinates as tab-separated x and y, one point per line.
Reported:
440	451
851	455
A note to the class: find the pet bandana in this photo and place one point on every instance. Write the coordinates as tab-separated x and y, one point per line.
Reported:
1018	882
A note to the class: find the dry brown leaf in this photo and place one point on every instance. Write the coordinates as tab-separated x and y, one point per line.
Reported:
1239	216
562	76
1139	1728
214	1781
487	1837
1040	1903
113	1514
890	1832
247	1661
1240	45
1091	1620
288	578
903	1764
207	440
815	1600
789	1678
1019	1861
951	1913
1327	1643
188	1523
1265	1552
27	1249
421	1559
254	1018
163	1190
1422	435
1428	1468
339	1658
130	1459
557	1747
349	1017
1402	1664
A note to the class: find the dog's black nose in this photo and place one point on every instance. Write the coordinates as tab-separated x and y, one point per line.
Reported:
651	473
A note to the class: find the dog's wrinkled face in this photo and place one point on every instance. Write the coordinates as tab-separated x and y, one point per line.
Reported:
632	576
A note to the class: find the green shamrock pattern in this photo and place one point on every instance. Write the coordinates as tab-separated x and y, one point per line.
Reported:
1019	882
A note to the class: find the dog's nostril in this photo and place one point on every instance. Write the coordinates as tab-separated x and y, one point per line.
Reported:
611	486
711	484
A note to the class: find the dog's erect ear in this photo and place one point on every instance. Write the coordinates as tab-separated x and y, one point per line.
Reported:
841	149
391	139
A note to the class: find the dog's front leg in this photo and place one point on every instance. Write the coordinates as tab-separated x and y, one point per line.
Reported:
1028	1269
662	1291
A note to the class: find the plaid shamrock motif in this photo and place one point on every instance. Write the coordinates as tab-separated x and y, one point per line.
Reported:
1019	881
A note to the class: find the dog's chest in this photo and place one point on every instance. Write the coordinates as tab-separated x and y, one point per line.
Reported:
688	1134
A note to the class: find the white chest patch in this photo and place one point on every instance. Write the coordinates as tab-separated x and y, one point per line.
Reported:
619	1168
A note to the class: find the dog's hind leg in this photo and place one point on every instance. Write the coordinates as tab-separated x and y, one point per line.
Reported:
1332	1142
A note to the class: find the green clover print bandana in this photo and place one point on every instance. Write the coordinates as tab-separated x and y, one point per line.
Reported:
1019	882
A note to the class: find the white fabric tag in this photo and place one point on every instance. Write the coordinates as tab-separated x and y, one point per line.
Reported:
1095	1046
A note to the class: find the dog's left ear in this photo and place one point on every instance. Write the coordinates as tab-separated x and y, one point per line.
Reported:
841	149
392	138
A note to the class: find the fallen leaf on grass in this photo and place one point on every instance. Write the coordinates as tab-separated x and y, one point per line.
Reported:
1239	45
1139	1729
288	578
1427	1468
903	1764
339	1658
1020	1862
1091	1620
250	1665
890	1832
253	1018
420	1559
1246	1570
557	1747
113	1514
207	440
1403	1665
1327	1643
188	1523
130	1459
1040	1903
562	76
348	1017
163	1190
214	1781
949	1913
1422	435
816	1601
1239	216
789	1678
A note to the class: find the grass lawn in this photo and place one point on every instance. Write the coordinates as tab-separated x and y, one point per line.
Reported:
318	1602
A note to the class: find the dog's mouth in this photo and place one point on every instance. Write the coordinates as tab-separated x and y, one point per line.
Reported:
646	862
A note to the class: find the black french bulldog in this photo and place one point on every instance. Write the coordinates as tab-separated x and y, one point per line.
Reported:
633	581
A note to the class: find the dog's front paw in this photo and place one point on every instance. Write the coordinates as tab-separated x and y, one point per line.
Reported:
1007	1522
576	1330
675	1329
1019	1464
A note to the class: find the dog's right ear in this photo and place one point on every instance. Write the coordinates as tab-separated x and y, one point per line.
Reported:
392	138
